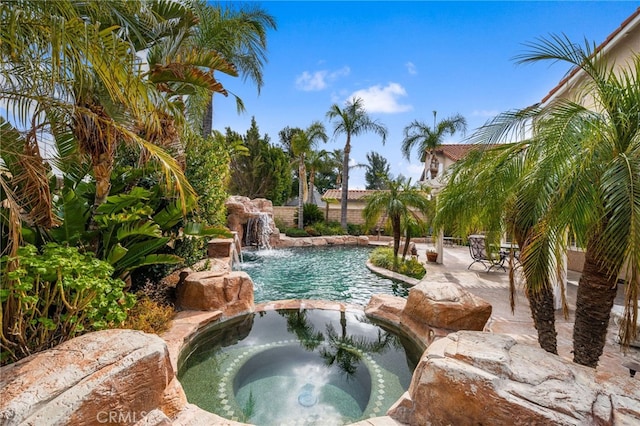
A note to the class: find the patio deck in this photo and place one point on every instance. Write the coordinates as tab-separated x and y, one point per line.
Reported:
494	288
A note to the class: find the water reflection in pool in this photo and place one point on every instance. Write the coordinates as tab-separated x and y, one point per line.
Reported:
310	367
337	273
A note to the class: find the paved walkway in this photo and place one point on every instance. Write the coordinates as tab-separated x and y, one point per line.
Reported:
494	288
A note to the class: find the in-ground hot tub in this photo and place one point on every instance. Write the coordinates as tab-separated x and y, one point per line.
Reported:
312	367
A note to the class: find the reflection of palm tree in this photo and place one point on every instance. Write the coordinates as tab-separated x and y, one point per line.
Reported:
298	324
346	351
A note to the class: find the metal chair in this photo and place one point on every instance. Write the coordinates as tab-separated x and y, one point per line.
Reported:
478	252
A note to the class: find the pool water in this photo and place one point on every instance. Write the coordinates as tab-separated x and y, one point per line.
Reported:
336	273
310	367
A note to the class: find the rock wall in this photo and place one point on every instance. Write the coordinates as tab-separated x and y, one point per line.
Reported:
483	378
106	377
228	292
241	209
431	310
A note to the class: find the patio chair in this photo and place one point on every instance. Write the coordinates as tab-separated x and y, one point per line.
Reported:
478	252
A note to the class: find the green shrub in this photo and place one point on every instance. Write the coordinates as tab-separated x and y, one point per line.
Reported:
295	232
50	297
354	229
149	316
412	268
382	257
279	223
311	230
331	228
312	214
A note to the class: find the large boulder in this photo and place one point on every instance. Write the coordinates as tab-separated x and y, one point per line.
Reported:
231	293
447	306
111	376
483	378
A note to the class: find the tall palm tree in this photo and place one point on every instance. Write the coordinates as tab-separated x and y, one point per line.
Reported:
302	143
352	120
584	180
316	160
240	36
398	201
427	139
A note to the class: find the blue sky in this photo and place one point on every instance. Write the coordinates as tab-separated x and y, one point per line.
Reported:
405	60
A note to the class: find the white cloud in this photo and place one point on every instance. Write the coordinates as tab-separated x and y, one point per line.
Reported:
411	170
383	99
411	68
485	113
319	80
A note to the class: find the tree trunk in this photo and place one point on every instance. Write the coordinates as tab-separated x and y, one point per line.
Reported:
405	250
541	305
207	119
305	186
301	173
544	318
345	184
312	178
395	225
596	293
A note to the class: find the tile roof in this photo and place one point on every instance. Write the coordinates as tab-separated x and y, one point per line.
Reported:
353	194
455	151
603	45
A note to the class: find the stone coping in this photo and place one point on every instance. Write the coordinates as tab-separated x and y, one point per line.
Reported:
392	275
186	325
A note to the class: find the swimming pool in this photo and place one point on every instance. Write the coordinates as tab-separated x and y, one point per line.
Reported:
311	367
336	273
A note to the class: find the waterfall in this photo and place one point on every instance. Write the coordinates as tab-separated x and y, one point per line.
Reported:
236	250
258	231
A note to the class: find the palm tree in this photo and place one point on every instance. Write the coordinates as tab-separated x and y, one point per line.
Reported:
583	181
352	120
58	79
240	36
302	143
429	138
486	191
316	160
397	202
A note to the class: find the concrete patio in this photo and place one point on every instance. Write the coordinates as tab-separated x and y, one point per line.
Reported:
493	287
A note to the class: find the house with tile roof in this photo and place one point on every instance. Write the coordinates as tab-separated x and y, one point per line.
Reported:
622	44
356	199
444	157
619	48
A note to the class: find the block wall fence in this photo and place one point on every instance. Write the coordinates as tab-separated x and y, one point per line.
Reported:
287	213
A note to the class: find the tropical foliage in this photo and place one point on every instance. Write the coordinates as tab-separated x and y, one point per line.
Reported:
398	202
73	82
577	175
239	35
382	257
352	120
427	139
54	295
303	143
262	170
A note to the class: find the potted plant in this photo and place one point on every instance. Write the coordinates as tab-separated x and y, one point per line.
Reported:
432	255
